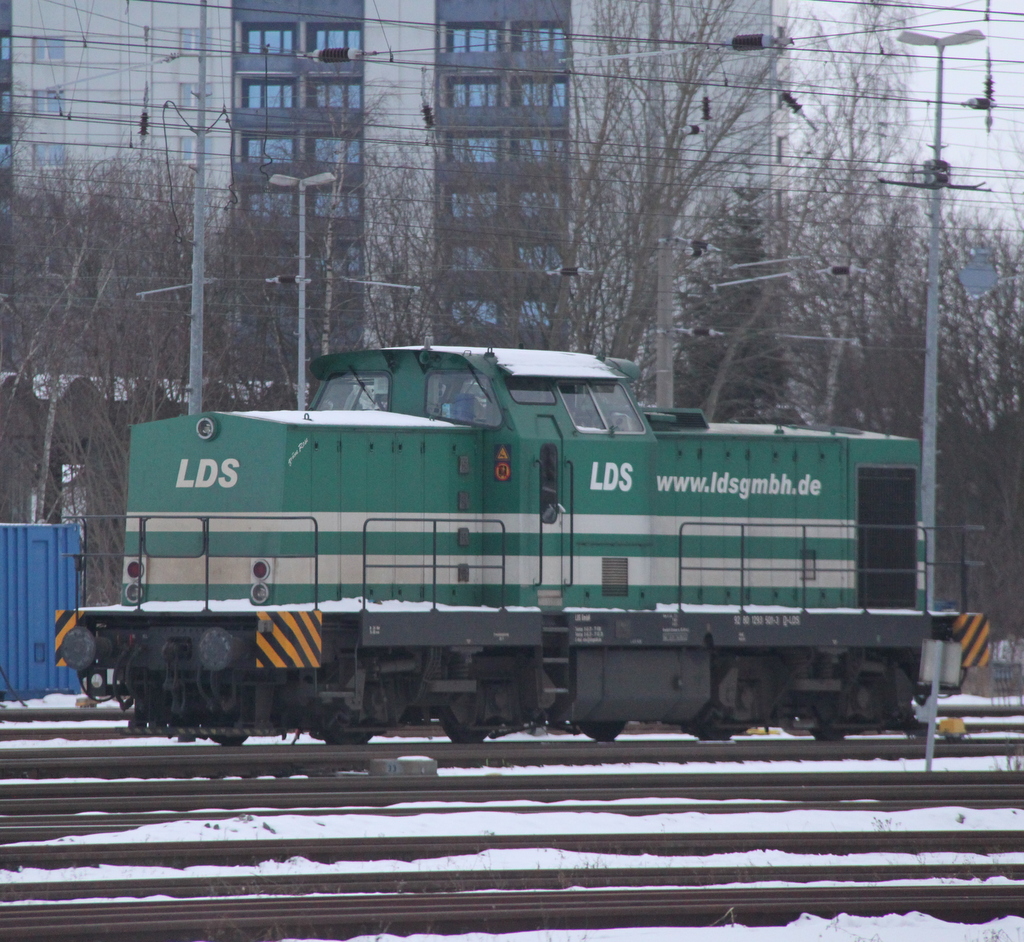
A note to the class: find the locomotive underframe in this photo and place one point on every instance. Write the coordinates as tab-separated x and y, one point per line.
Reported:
710	673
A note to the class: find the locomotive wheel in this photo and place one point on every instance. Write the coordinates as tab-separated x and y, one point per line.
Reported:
601	731
226	739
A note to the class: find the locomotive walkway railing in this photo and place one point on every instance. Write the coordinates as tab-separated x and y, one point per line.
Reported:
901	580
204	551
434	565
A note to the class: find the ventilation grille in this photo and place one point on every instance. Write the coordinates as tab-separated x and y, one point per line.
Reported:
615	575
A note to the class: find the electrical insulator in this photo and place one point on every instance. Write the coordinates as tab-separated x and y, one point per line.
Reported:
790	102
936	173
752	41
693	129
705	108
428	115
839	270
696	248
978	104
338	54
283	280
144	124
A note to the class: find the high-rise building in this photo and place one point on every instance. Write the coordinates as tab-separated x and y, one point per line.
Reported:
482	91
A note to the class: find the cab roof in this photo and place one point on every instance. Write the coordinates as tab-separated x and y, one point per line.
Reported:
548	364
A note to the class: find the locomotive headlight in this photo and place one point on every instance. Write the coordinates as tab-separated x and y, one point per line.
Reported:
79	648
218	649
133	593
207	428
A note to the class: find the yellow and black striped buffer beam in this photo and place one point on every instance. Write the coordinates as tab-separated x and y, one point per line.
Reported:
289	639
65	619
972	632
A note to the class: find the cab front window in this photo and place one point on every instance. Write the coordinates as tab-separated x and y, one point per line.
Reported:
600	407
356	392
462	396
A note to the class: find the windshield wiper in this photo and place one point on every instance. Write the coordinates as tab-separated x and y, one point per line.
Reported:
366	392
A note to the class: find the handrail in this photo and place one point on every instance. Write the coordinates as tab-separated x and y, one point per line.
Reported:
204	552
572	524
433	566
740	565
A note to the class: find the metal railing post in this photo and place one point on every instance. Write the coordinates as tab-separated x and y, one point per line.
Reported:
433	563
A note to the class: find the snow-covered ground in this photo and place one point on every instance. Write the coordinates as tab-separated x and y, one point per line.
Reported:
910	928
553	819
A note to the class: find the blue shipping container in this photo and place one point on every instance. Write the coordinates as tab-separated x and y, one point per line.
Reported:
37	576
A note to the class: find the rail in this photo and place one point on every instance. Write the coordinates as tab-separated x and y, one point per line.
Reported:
205	552
806	564
434	565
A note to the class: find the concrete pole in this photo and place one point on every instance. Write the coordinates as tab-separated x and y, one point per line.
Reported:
665	387
929	436
195	360
300	376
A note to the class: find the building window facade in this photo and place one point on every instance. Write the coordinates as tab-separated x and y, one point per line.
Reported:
473	37
335	95
48	155
48	49
474	205
273	39
540	94
332	150
268	148
272	93
473	92
47	101
333	37
476	150
538	37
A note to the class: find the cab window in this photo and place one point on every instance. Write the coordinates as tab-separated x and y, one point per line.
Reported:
600	407
356	392
618	411
582	409
462	396
530	391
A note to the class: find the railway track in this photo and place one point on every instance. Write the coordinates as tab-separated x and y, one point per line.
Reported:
15	714
179	854
345	915
476	881
441	899
43	811
283	758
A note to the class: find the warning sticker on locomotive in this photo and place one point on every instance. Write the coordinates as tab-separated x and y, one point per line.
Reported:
502	462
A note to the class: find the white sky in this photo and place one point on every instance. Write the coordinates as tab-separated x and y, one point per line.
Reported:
975	156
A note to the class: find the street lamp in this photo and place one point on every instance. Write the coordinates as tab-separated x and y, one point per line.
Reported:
939	178
280	179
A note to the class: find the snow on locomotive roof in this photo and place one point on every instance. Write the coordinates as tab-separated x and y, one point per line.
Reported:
550	363
339	417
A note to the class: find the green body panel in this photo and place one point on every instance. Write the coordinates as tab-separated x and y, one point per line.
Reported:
764	515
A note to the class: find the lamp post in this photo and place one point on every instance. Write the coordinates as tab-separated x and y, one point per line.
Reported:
939	178
280	179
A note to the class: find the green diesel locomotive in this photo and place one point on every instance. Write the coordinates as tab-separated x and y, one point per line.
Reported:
502	539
